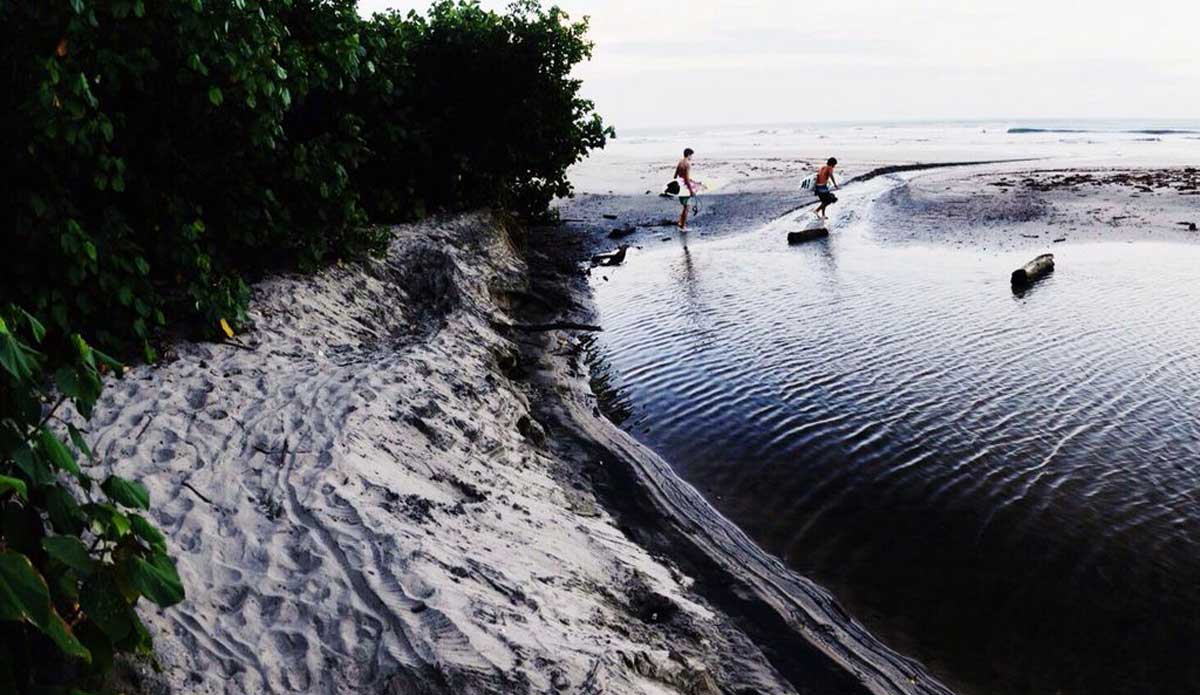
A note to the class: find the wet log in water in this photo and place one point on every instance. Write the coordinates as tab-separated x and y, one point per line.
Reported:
1032	271
807	235
616	258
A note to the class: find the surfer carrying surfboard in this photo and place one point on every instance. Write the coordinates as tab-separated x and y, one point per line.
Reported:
687	185
824	178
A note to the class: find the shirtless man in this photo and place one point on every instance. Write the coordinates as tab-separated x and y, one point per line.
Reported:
824	178
683	174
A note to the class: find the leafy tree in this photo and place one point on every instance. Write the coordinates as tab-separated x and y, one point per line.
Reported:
479	109
157	153
75	557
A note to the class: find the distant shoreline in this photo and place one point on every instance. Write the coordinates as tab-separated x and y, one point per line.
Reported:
1146	131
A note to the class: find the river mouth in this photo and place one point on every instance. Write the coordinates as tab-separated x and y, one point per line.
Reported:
1002	486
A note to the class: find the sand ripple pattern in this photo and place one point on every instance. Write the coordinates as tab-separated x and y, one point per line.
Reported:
1003	487
354	510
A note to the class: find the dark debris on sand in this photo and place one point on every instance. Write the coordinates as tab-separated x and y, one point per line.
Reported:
1183	181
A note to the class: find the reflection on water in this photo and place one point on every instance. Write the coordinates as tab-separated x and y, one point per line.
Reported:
1004	487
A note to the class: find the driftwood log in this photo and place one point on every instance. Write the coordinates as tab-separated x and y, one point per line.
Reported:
616	258
807	235
1032	271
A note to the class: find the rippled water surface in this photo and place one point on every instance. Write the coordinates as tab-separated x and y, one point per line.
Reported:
1004	487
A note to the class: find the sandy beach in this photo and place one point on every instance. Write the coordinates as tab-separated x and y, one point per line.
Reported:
361	500
468	347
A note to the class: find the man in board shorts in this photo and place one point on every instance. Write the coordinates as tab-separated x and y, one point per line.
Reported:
824	178
688	185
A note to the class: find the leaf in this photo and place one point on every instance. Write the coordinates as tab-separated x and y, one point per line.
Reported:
83	350
57	454
23	592
70	551
65	515
65	585
139	641
60	632
16	485
145	530
102	601
157	579
12	356
128	493
25	596
108	520
225	327
39	331
97	643
68	382
110	362
215	96
79	442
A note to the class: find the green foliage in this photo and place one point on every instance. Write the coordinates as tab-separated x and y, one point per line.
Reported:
158	156
149	164
482	110
70	573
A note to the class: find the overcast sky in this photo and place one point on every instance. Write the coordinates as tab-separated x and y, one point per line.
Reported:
712	62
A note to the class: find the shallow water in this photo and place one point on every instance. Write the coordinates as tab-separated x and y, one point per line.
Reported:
1003	487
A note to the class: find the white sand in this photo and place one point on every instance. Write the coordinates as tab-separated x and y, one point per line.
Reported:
353	508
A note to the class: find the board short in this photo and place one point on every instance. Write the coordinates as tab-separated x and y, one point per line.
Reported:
825	195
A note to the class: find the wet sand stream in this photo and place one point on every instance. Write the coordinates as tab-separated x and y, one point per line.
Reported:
1001	486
